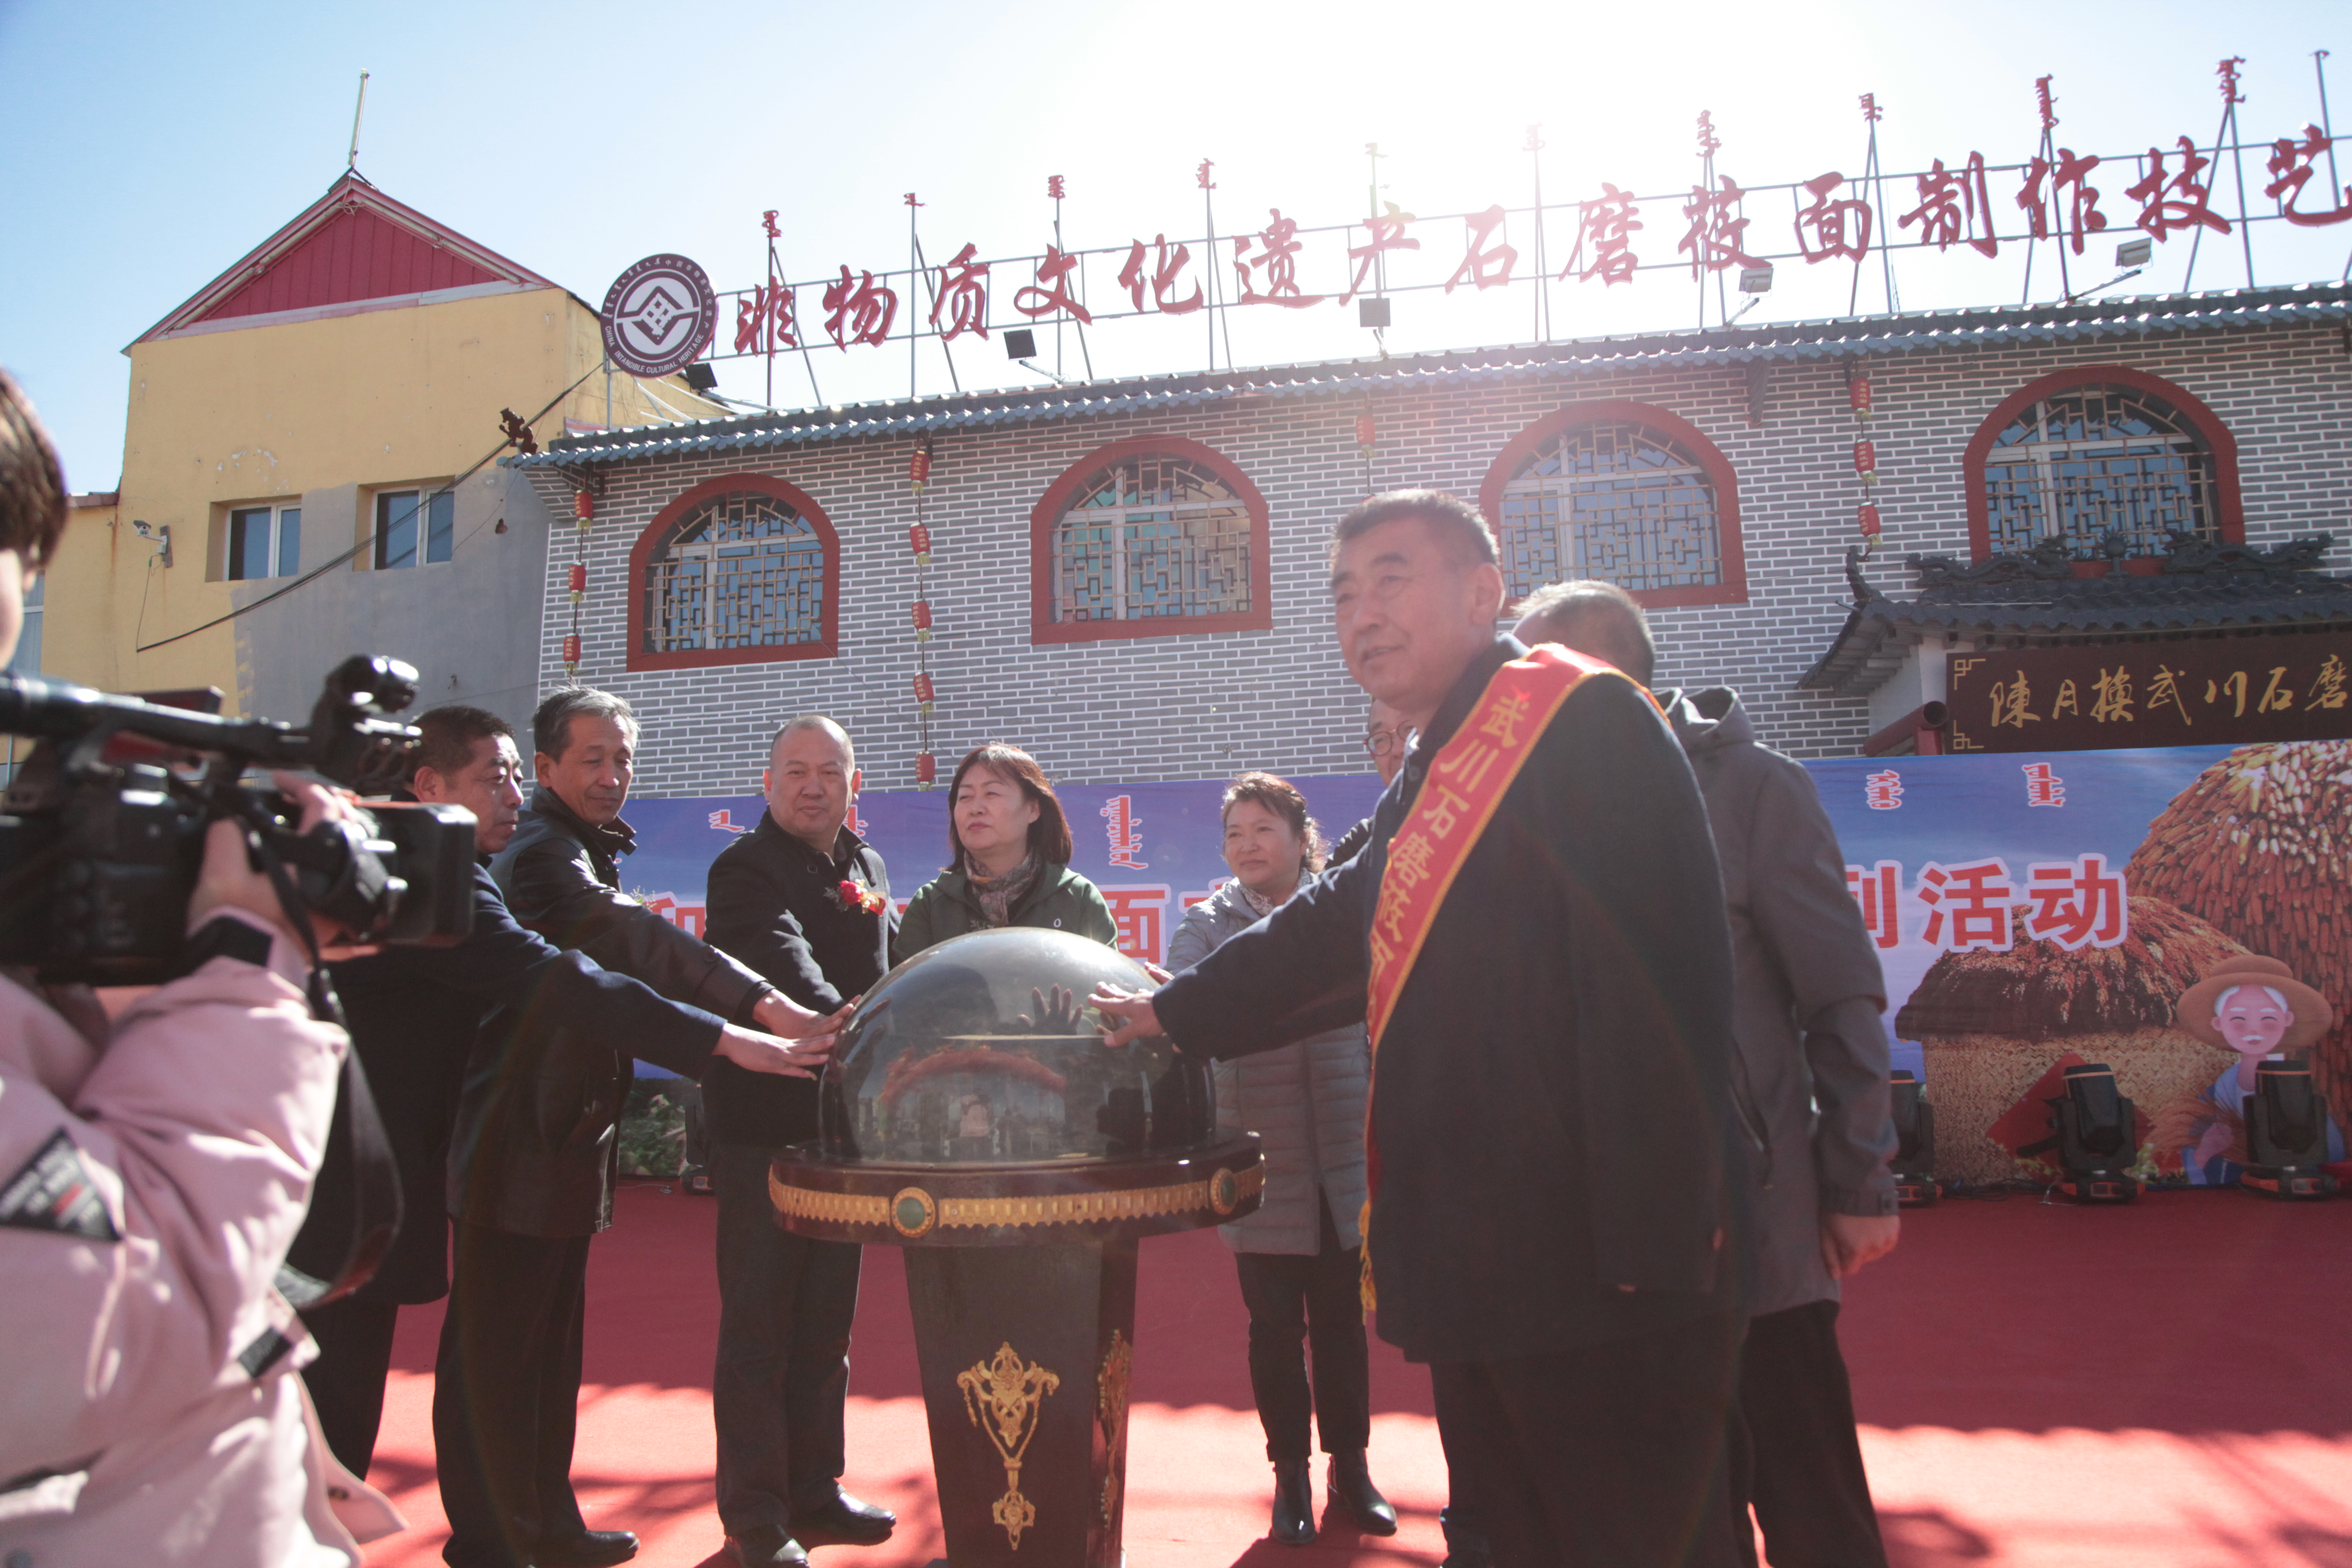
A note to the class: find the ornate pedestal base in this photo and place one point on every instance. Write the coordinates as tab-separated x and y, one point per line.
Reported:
1026	1354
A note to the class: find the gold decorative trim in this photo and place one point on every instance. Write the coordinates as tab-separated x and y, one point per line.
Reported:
1110	1404
918	1203
1219	1194
1012	1394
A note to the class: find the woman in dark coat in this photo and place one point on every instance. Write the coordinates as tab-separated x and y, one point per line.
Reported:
1009	861
1299	1256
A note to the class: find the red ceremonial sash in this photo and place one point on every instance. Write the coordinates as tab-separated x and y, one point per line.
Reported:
1464	787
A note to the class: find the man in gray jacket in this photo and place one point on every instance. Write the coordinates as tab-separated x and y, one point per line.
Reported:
1811	1055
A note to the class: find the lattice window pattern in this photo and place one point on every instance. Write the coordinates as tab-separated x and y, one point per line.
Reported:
1151	537
741	569
1615	501
2098	462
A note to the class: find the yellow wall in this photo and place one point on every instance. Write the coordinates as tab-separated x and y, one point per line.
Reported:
383	398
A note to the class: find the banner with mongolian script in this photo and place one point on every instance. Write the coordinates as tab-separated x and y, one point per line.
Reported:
2029	910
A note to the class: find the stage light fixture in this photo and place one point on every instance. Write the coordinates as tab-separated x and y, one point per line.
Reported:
1371	312
2135	252
2096	1134
2286	1133
700	376
1914	1150
1755	279
1020	342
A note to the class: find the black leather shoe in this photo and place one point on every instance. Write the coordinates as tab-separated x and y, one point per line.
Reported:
844	1521
591	1549
1294	1503
767	1546
1348	1483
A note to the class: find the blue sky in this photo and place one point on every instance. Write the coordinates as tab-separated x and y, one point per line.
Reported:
155	144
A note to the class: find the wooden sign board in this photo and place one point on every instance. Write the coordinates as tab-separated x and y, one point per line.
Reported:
2282	686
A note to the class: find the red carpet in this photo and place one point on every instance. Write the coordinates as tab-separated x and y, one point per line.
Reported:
2166	1386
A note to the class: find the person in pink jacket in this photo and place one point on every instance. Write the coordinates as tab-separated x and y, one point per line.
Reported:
152	1173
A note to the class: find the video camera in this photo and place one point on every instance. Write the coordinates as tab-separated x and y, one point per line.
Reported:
102	831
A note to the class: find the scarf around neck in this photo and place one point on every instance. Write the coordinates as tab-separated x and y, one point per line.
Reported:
1259	908
998	894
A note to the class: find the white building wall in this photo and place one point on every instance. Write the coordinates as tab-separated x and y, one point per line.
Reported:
1209	705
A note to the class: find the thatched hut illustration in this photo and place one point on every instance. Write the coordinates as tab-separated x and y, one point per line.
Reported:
2260	845
1992	1022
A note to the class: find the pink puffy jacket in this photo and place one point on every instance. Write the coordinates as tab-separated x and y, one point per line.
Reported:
150	1185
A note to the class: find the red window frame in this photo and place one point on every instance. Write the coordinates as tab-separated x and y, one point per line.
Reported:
828	641
2230	510
1521	449
1045	629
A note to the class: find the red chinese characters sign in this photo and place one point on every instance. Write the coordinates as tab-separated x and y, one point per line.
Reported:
2224	690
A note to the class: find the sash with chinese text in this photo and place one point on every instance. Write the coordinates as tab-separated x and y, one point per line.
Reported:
1467	783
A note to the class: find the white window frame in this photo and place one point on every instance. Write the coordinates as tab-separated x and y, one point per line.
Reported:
275	550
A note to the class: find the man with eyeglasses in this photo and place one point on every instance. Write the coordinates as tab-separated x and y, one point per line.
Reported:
1387	737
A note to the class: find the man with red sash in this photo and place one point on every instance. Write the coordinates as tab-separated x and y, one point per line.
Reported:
1536	938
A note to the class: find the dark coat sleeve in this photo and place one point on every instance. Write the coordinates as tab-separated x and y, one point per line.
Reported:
502	965
1301	971
750	921
552	887
1799	901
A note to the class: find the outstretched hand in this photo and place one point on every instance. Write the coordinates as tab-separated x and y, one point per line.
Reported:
1131	1011
780	1014
769	1054
1056	1014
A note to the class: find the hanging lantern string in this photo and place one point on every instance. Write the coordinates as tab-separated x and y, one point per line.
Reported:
584	517
1865	458
919	540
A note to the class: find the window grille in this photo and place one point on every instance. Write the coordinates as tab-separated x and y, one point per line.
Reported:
742	570
1614	501
2097	462
1152	537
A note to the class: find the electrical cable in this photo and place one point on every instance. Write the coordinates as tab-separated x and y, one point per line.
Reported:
321	571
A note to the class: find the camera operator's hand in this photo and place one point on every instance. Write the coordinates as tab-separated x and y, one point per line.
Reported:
766	1053
228	881
780	1014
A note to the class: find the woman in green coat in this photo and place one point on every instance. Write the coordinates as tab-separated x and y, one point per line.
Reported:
1009	861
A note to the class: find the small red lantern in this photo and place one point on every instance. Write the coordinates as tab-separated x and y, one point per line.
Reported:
919	540
571	651
919	466
927	770
1865	459
579	579
922	615
1868	517
1857	393
1364	431
583	505
923	693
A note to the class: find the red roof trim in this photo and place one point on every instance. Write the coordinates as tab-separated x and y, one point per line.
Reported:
352	210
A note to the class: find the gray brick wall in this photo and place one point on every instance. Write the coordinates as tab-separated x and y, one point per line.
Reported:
1205	706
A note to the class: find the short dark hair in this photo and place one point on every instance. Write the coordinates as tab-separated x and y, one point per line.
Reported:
1598	618
1457	526
551	726
814	722
1280	796
34	504
1049	835
450	734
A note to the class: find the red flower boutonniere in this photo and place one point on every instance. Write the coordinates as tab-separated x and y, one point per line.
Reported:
854	895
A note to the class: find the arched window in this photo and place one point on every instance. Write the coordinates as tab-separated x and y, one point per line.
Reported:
741	570
2098	455
1149	538
1623	493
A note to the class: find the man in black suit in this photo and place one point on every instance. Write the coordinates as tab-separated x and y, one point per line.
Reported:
534	1156
807	903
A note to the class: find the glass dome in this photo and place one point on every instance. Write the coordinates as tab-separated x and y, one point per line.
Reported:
983	1051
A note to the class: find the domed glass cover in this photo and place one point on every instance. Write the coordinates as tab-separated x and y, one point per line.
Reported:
983	1051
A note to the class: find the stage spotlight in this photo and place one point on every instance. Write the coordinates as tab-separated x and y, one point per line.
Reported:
2286	1133
2096	1137
1914	1153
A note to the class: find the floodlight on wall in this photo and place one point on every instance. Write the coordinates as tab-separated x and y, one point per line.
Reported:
1371	312
700	376
158	536
2135	252
1755	279
1020	342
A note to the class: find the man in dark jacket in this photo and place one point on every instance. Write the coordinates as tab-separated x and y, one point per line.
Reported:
1812	1055
533	1157
807	903
1551	1116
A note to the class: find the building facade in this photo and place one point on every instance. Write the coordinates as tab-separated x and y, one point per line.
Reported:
1131	578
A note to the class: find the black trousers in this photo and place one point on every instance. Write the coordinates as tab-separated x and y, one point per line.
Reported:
785	1306
1293	1298
506	1394
346	1381
1608	1455
1795	1456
